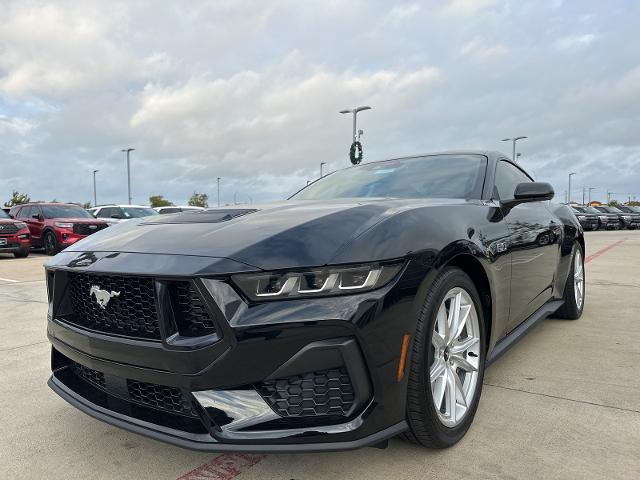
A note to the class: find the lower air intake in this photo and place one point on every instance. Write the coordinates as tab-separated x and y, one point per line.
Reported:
313	394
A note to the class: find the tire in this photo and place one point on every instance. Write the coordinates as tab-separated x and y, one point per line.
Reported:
428	425
572	308
22	253
51	246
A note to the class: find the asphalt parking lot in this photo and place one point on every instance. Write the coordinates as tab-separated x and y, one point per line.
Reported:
563	403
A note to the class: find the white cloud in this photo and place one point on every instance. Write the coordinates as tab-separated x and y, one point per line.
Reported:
575	42
476	48
470	7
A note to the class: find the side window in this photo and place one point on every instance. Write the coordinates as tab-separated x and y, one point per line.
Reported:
35	210
508	176
106	212
25	212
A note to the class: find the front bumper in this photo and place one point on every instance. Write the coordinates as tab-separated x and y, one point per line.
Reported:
66	237
14	243
223	377
205	442
589	224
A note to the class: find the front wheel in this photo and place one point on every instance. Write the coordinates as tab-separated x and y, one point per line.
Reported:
50	244
574	290
22	253
447	364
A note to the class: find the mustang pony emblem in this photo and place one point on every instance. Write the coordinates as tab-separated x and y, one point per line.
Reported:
102	296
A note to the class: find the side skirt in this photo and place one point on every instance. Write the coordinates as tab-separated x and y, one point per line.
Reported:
521	330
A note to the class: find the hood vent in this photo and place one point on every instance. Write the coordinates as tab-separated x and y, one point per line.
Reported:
202	216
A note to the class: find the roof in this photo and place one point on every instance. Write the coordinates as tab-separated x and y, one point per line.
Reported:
114	205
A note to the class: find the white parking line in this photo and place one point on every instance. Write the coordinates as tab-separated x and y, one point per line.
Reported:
8	280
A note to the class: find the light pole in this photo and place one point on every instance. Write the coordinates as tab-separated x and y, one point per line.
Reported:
95	197
218	191
128	150
514	140
569	191
590	188
321	165
355	114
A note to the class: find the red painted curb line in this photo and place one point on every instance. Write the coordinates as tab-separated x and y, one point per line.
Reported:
223	467
603	250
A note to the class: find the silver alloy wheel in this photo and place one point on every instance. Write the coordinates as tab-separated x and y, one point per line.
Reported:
455	346
578	279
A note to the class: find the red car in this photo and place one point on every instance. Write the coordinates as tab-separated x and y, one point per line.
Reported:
55	226
14	236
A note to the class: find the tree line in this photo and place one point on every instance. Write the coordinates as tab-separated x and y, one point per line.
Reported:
197	200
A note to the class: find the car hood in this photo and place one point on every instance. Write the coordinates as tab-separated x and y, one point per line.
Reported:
78	220
285	234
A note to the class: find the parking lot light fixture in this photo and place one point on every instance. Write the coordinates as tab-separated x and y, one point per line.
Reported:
514	140
355	111
95	196
128	151
569	191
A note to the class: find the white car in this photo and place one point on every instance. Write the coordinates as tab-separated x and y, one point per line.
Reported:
176	209
119	213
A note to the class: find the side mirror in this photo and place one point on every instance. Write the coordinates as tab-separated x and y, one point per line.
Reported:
36	216
531	192
116	216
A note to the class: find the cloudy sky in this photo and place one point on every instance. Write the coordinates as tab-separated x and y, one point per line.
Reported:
250	91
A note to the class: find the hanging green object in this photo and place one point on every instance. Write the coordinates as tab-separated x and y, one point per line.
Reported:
355	153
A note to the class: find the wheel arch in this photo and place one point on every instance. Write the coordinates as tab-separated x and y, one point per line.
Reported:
470	265
46	230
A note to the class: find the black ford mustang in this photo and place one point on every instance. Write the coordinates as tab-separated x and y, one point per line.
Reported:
365	306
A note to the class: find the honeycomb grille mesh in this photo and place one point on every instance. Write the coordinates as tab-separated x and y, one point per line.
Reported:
88	229
7	228
192	317
89	375
160	397
132	313
321	393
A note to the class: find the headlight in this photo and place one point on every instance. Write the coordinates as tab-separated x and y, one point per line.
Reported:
64	225
327	281
603	218
627	218
21	225
582	218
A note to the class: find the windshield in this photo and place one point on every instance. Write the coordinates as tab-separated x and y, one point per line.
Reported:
629	209
64	211
436	176
138	212
612	209
578	209
171	210
4	214
591	210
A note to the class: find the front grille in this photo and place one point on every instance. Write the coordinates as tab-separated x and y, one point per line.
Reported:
132	313
161	397
158	397
87	228
322	393
191	315
9	228
90	375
